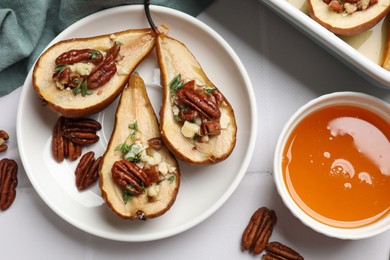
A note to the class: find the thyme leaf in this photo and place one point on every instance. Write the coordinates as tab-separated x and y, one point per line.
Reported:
176	83
60	68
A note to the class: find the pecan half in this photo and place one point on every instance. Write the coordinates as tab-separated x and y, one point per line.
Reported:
155	143
72	150
80	136
210	128
8	182
83	55
276	250
188	115
258	231
3	137
218	96
63	76
70	134
153	174
81	131
130	177
203	104
76	123
105	70
57	141
87	170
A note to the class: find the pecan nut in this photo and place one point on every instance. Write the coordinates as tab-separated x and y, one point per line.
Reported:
277	250
87	170
210	128
8	182
57	141
66	138
203	104
83	55
81	131
130	177
155	143
258	231
80	136
105	70
3	137
72	151
77	123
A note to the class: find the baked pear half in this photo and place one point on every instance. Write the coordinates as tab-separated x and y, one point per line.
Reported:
80	77
139	178
348	17
197	122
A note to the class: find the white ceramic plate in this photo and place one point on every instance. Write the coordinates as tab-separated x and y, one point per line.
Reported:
363	52
203	189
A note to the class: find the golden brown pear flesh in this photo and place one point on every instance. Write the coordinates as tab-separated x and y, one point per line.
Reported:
174	58
135	46
134	106
351	24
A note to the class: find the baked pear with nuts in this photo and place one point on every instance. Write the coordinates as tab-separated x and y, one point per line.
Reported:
139	178
197	122
348	17
80	77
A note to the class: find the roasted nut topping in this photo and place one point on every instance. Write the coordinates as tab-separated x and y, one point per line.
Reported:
210	128
203	104
85	76
258	231
188	115
84	55
152	174
8	182
87	171
130	177
62	76
104	71
277	250
197	108
349	6
3	137
155	143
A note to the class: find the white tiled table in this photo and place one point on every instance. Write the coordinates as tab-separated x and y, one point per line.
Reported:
287	69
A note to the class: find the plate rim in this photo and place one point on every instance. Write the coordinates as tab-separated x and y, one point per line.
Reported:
214	206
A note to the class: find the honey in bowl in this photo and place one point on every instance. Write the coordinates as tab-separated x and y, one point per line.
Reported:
336	166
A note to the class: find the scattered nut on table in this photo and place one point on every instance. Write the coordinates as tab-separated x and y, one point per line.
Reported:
3	137
257	233
8	182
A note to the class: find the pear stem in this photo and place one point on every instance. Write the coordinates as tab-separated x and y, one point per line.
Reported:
149	17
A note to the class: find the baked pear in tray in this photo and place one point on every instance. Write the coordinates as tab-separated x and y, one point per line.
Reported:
79	77
196	120
348	17
139	178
